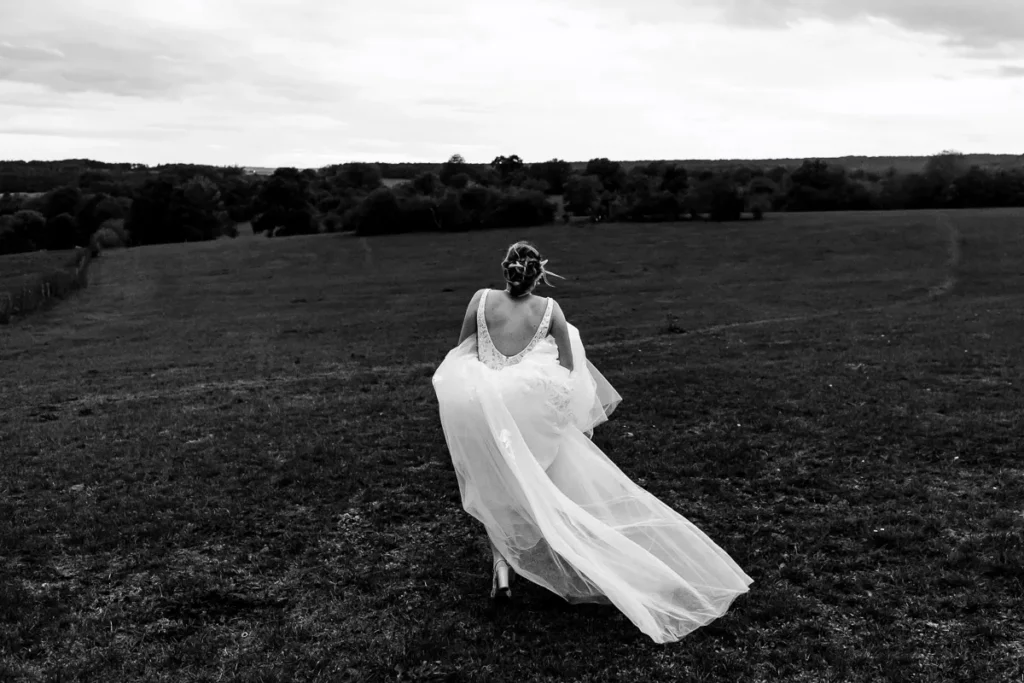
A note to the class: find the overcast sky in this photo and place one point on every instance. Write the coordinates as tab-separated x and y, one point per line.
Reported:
312	82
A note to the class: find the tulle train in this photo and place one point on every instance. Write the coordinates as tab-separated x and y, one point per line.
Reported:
559	510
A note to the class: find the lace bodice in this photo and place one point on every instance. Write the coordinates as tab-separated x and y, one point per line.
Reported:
495	359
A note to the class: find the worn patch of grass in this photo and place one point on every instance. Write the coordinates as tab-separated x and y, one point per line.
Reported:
223	461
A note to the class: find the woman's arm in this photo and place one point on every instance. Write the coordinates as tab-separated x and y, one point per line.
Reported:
560	331
469	322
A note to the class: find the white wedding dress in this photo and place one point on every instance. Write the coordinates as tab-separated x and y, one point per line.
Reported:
561	513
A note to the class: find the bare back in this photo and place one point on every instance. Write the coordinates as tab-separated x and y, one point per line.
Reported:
512	323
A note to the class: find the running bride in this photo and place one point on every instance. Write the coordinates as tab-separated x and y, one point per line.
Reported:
518	402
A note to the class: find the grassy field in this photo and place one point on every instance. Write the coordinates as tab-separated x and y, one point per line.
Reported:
222	461
16	268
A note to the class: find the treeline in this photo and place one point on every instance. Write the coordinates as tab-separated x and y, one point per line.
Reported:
670	191
456	195
110	205
88	203
353	197
947	181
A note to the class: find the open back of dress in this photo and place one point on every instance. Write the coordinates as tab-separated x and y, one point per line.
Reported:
555	506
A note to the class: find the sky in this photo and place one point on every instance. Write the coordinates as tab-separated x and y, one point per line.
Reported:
309	83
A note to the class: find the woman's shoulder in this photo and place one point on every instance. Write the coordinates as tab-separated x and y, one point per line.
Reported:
542	303
476	300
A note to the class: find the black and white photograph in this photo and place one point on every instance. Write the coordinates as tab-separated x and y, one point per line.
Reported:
509	341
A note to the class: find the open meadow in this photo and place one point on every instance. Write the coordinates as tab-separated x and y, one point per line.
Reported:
223	460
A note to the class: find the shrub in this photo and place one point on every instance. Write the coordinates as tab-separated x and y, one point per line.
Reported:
526	208
378	214
332	222
387	211
111	235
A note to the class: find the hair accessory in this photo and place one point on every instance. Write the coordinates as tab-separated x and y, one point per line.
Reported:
544	272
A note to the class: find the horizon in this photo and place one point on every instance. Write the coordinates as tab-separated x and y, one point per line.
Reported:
270	84
922	157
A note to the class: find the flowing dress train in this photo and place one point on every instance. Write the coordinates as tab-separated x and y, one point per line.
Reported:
556	507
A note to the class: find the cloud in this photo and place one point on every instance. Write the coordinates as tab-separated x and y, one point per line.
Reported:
309	82
973	24
1010	71
152	50
95	58
967	24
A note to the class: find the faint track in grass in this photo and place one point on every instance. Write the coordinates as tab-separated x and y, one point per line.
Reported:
367	251
953	259
954	256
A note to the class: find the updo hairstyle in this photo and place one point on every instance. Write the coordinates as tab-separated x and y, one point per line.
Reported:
522	268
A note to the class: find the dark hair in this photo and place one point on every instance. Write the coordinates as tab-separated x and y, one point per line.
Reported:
522	267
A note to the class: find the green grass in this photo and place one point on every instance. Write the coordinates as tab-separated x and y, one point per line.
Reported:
222	461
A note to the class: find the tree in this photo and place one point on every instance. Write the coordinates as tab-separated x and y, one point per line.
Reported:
759	195
817	186
62	200
583	194
283	202
718	196
428	184
111	235
199	212
149	220
96	180
21	232
163	212
357	176
536	185
522	208
507	166
8	240
610	173
237	193
554	172
378	214
946	166
488	177
455	166
202	192
475	203
97	209
638	184
675	179
10	204
62	232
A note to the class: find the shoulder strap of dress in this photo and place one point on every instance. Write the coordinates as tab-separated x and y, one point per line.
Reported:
545	323
480	311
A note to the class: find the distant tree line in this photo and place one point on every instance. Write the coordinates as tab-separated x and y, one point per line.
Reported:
83	202
113	205
508	192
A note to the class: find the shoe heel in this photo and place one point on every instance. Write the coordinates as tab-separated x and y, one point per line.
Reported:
500	589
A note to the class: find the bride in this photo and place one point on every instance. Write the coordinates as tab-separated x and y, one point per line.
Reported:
518	403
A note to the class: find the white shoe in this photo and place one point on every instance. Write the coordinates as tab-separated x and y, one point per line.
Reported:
500	581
